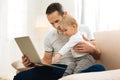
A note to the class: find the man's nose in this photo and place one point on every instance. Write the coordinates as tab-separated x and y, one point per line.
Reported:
56	25
58	28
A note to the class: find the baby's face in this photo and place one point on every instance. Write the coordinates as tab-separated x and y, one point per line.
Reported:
68	30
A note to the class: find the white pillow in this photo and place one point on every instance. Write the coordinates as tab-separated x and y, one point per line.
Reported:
104	75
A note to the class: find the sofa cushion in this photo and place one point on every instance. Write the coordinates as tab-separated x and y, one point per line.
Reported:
109	47
104	75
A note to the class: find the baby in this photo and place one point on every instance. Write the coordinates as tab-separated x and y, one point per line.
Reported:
69	27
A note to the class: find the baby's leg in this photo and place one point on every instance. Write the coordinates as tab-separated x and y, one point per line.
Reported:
70	69
83	63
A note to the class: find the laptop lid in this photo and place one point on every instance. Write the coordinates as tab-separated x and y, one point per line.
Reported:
27	48
109	44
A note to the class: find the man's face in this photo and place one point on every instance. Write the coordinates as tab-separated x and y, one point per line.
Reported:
55	18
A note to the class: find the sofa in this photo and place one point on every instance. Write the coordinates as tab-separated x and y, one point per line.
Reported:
109	44
104	75
110	59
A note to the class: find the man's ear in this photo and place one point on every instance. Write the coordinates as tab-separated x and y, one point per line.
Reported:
65	13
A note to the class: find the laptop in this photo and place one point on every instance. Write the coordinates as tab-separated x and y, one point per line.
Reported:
109	44
27	48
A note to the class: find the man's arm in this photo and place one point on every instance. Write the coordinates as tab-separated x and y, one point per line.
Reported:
47	58
95	52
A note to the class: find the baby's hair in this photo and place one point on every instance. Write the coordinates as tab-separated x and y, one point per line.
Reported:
69	20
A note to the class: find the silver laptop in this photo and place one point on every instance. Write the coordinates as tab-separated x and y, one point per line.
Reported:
27	48
109	44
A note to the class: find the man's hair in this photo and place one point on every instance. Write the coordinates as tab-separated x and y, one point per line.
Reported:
55	7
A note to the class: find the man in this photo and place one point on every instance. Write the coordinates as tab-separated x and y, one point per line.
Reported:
53	43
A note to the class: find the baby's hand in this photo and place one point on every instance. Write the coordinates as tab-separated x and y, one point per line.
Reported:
57	57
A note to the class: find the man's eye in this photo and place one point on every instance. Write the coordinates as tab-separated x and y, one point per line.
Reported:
57	21
65	30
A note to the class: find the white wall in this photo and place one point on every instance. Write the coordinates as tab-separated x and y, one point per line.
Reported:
38	8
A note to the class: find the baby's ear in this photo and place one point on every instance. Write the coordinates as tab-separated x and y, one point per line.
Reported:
74	25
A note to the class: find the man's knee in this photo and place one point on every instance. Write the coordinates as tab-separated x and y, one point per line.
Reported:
94	68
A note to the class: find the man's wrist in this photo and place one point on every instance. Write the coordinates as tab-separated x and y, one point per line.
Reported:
95	52
32	65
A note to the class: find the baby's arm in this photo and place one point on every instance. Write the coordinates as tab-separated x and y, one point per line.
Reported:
65	49
57	57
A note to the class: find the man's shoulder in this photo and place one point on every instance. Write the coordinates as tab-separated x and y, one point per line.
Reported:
83	27
52	32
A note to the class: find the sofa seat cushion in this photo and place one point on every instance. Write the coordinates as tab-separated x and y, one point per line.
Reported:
104	75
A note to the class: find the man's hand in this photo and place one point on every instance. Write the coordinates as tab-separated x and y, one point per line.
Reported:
88	46
85	46
26	62
57	57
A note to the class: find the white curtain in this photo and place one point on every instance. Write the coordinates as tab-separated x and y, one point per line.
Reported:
17	18
100	15
12	24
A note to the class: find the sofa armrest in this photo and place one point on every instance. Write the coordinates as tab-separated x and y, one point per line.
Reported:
19	66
